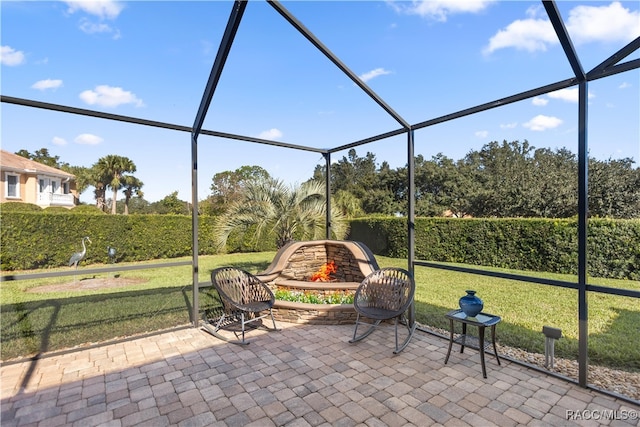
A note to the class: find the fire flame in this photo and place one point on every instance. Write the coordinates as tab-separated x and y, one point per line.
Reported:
323	274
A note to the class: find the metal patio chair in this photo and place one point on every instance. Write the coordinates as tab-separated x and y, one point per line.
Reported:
384	294
245	299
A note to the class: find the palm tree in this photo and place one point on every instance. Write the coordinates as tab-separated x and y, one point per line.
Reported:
269	206
132	186
114	167
97	178
349	205
99	194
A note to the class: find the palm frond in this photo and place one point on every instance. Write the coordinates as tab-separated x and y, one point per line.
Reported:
269	207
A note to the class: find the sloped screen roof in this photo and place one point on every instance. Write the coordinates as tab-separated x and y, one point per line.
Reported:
317	76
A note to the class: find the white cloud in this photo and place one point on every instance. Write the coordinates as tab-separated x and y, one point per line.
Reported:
603	23
9	56
509	125
624	85
585	24
541	123
88	139
482	134
373	74
271	134
539	102
524	34
47	84
108	96
103	9
568	95
97	9
58	141
439	10
89	27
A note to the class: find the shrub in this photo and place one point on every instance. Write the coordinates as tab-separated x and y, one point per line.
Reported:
44	239
19	207
87	209
56	209
533	244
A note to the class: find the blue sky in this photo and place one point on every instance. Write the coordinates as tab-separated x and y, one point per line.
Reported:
151	60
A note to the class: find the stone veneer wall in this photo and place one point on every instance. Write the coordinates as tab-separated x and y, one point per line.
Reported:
307	260
314	314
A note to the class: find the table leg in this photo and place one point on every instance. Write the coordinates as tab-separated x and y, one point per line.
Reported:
481	333
464	337
450	341
493	338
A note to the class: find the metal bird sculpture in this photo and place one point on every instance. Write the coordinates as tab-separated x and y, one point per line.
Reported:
111	251
77	257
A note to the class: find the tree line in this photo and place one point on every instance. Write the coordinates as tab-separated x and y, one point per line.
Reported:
508	179
111	172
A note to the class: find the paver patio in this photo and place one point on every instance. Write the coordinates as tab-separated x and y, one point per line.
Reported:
303	375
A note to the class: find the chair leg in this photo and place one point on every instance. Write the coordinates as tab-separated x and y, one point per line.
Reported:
217	327
275	328
241	318
410	329
260	323
357	337
213	330
242	322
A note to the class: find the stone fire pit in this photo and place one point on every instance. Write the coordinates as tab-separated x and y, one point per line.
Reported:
296	263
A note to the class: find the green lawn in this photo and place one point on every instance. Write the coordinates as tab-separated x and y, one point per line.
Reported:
35	322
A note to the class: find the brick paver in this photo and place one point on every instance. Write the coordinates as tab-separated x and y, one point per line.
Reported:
303	375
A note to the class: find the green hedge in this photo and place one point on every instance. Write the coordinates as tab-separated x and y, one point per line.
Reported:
44	240
19	207
523	244
32	240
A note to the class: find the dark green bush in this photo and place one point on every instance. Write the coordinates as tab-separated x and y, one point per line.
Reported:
56	209
19	207
523	244
43	240
87	209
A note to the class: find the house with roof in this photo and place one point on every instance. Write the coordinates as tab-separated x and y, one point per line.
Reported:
27	181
